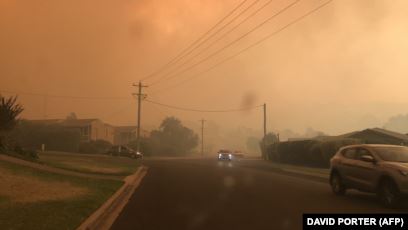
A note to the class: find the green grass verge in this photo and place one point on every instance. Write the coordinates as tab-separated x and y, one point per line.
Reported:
90	163
61	214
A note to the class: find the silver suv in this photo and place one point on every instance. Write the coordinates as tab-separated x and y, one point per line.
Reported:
381	169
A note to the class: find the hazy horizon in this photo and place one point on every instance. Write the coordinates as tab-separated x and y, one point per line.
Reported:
338	70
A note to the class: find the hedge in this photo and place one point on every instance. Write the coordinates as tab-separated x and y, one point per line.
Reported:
314	153
30	135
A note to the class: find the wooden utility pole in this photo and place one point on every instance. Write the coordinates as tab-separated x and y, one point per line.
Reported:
264	133
202	137
45	106
264	110
140	97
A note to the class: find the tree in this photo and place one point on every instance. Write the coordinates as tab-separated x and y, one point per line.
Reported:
72	116
172	138
270	138
267	140
252	144
9	111
398	123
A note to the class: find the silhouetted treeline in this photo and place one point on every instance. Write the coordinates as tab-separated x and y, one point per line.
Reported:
171	139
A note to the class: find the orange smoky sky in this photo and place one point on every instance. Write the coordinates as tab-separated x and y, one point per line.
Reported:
340	69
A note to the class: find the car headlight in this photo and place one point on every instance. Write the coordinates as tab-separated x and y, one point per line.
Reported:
229	155
403	172
219	155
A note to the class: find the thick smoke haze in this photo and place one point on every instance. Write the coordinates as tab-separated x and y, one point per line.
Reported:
338	70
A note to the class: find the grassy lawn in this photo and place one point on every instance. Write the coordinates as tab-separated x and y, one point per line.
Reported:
91	163
34	199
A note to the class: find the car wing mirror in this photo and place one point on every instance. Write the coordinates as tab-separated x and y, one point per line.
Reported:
368	158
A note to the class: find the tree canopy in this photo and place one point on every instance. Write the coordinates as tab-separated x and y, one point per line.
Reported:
172	138
9	111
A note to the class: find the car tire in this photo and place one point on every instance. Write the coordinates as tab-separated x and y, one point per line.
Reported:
389	193
337	184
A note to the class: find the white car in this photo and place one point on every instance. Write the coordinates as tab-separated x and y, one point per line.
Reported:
225	155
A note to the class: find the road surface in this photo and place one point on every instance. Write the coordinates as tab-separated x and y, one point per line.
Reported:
206	194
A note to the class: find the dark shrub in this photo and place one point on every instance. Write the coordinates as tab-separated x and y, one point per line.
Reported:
315	153
25	153
31	135
95	147
145	146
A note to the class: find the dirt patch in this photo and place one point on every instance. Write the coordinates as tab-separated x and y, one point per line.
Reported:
27	189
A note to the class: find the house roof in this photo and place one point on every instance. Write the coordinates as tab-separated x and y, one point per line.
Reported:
129	128
391	133
78	122
68	123
47	121
347	135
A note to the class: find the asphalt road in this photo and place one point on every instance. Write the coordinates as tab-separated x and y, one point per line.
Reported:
206	194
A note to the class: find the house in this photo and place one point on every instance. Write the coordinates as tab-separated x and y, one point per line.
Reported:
95	129
126	134
379	136
89	129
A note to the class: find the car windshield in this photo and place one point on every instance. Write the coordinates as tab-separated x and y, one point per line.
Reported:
395	154
224	151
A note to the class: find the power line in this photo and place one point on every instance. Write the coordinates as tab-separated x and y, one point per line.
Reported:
181	54
202	110
246	48
219	38
207	39
231	43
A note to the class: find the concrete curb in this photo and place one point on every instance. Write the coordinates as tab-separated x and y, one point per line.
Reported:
298	173
105	216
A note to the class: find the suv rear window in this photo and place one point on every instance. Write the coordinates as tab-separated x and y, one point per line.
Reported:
394	154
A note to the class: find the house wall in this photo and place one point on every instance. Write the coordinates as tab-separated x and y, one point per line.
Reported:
101	131
124	137
85	133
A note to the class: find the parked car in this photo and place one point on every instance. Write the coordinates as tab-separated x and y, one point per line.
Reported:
121	150
224	154
380	169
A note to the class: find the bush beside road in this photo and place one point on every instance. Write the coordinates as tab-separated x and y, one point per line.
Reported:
313	153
